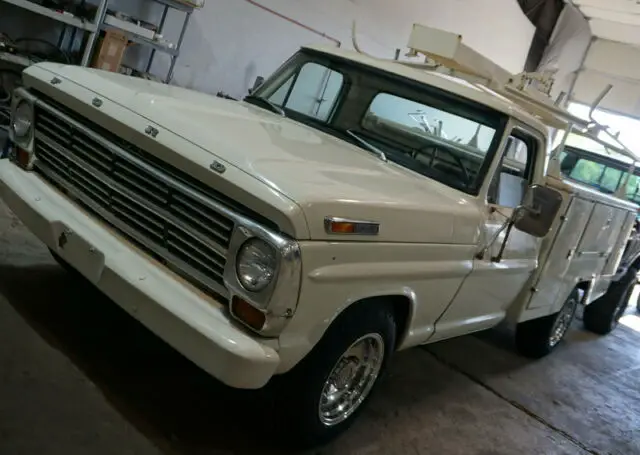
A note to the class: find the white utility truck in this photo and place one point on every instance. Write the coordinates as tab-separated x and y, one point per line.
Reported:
604	167
348	208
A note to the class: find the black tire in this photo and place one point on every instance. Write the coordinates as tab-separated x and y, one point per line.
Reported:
302	426
602	315
538	337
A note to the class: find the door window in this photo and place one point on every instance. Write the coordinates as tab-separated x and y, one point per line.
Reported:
312	91
514	172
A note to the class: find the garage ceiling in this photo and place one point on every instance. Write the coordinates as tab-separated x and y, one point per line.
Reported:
613	56
614	20
543	14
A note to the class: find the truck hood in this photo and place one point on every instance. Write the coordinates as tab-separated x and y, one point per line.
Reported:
325	176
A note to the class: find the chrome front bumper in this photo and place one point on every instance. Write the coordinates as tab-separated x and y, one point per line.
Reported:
192	322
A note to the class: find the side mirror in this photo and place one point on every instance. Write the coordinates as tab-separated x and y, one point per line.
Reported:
538	211
257	83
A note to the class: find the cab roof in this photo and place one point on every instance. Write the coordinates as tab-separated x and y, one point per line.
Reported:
474	92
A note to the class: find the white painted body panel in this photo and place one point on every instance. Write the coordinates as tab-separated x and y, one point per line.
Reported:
587	247
304	173
553	273
486	295
339	274
176	151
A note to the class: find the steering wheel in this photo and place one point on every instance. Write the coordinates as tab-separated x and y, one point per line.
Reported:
455	157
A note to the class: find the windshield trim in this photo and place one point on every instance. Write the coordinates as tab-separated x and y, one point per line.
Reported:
499	125
402	86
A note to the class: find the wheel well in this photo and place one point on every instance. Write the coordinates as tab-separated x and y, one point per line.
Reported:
635	265
400	306
583	286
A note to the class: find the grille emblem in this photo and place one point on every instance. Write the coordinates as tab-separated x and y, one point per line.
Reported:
151	131
218	167
97	102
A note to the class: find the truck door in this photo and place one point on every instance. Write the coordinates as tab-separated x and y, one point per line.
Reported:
486	294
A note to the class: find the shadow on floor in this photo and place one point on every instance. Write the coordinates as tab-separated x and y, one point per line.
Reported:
159	391
422	406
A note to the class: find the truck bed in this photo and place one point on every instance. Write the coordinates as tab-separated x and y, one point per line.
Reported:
584	248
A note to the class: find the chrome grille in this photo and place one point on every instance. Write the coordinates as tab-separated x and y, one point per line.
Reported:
142	198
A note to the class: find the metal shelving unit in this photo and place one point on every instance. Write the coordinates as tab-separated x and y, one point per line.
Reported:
175	51
98	25
143	41
68	19
156	46
60	17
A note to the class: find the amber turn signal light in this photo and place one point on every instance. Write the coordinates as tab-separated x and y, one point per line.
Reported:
248	314
342	227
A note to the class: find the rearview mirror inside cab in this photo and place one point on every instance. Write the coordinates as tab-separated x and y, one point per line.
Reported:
538	211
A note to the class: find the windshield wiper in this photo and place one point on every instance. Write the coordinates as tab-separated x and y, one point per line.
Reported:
263	102
372	148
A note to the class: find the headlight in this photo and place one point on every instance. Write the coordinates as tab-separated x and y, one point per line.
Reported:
256	265
22	120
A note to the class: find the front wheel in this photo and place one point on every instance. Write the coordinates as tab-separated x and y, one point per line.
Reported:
538	337
327	390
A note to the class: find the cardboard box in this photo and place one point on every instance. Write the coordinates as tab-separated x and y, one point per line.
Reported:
111	51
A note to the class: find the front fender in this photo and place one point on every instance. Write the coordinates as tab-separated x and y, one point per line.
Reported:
336	275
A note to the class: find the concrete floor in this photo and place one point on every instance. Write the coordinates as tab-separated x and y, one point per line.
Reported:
77	376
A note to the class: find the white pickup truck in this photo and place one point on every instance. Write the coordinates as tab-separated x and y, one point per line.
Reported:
349	208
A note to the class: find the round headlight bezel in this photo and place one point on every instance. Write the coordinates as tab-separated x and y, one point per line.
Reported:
252	249
22	126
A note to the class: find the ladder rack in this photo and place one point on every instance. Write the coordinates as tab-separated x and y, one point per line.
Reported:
445	52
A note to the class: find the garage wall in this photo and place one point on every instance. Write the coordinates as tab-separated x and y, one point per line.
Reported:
230	42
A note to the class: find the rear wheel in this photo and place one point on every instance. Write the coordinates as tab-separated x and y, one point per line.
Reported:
332	384
603	315
538	337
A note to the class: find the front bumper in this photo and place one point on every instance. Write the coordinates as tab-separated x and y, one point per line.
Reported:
193	323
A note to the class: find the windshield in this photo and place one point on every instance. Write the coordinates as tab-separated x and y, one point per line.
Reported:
419	127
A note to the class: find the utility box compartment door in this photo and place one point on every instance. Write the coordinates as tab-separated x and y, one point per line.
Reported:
601	231
554	274
614	258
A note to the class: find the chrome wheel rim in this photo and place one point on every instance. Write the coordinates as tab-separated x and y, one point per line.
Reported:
563	321
351	379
